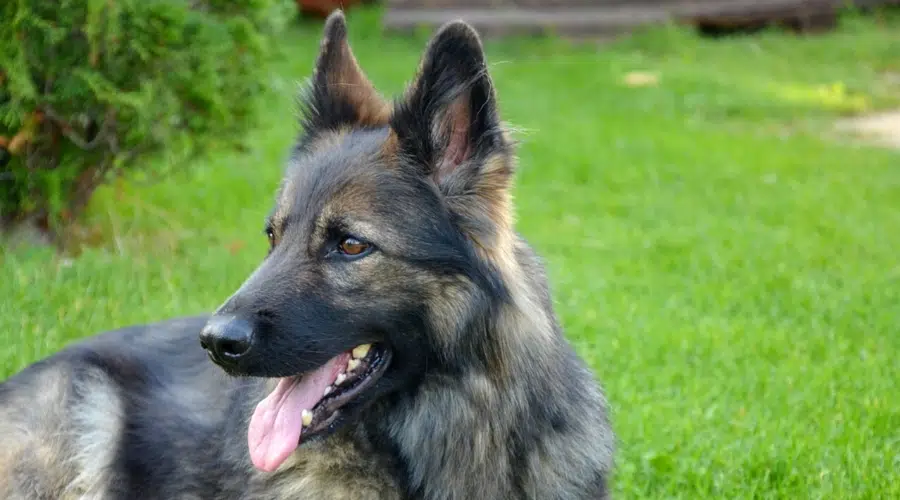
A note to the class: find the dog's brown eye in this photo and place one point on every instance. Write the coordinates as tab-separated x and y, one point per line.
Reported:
271	235
352	247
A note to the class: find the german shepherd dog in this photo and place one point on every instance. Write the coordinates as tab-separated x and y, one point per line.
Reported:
397	342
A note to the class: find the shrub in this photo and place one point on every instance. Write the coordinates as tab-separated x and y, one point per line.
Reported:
86	86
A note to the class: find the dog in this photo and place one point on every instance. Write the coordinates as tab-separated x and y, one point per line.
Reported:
398	340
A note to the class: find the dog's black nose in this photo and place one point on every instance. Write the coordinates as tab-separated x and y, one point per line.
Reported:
226	339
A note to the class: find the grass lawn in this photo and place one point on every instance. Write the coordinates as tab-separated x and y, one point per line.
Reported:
729	270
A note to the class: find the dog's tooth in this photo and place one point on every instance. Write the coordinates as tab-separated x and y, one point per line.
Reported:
352	365
360	351
306	416
328	390
340	379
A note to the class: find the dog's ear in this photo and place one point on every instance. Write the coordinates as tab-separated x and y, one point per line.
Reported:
447	122
448	125
340	94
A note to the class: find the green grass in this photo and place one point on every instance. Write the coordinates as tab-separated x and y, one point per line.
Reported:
728	268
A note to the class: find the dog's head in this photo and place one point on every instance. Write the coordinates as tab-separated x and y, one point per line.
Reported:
385	242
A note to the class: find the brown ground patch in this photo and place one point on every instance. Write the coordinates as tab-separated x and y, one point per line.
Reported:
881	128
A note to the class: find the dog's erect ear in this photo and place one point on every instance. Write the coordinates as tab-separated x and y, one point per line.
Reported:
340	95
447	121
448	125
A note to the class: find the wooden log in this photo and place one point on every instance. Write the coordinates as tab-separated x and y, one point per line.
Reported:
602	18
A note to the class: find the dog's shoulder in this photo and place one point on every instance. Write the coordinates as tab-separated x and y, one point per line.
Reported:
71	420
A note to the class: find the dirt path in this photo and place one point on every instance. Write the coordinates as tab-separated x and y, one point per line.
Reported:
881	128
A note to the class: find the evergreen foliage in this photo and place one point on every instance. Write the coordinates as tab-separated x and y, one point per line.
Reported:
88	86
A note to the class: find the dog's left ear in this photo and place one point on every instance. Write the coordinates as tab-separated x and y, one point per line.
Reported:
448	123
340	94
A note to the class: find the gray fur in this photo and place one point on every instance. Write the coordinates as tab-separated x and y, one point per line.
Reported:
505	409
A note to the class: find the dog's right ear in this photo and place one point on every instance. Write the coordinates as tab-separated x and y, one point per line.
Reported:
340	94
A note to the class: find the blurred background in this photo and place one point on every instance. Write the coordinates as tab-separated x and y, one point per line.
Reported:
714	185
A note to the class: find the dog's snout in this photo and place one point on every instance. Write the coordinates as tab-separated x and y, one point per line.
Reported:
227	339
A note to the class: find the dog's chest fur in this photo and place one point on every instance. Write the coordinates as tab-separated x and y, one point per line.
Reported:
339	469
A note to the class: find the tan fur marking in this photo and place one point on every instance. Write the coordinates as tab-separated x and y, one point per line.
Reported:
391	147
33	456
355	198
333	469
99	421
490	200
345	78
450	303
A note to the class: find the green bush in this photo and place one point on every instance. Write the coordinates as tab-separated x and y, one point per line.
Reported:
88	86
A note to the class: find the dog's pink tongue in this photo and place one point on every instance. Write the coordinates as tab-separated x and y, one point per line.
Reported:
275	426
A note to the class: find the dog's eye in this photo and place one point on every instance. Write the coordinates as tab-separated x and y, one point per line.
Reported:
352	247
270	233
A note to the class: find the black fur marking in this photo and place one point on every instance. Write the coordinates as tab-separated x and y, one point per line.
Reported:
453	68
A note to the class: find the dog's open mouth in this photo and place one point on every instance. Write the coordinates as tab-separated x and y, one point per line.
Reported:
304	405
